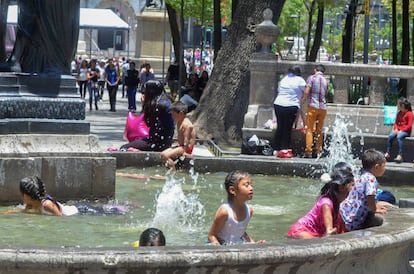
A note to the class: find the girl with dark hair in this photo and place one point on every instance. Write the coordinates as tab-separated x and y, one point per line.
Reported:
152	237
401	129
157	114
231	220
323	219
35	198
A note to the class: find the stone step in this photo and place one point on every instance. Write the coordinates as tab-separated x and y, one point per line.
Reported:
359	142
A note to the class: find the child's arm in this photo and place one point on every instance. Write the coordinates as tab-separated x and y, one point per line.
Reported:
188	129
247	237
13	211
327	219
373	205
218	223
52	207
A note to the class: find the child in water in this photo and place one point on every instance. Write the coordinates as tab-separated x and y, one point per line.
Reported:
35	198
150	237
323	219
360	209
231	220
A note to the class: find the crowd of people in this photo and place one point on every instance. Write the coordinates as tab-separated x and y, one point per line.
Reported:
122	74
347	201
299	100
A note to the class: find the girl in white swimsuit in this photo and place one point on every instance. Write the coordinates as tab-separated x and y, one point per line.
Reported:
35	198
231	220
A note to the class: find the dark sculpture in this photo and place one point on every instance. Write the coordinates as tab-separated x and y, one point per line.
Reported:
47	36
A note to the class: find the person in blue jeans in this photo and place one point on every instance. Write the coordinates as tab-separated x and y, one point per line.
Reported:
401	129
93	76
131	82
112	81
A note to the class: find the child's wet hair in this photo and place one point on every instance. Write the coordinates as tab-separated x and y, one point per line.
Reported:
372	157
33	186
342	166
232	179
152	237
339	177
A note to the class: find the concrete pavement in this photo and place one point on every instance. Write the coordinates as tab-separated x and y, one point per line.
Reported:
109	126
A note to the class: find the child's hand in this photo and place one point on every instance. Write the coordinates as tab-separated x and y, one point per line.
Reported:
13	211
331	231
261	242
381	209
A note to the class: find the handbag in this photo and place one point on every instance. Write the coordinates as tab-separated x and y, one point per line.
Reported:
256	146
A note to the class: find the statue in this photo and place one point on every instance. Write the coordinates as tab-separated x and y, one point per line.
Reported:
47	36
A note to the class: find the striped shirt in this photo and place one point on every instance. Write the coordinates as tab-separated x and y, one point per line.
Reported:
318	86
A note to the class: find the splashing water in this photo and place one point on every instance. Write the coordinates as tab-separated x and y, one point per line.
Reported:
340	148
174	208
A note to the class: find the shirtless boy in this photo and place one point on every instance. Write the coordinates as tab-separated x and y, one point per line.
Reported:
185	133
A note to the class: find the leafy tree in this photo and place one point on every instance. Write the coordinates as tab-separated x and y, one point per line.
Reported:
220	113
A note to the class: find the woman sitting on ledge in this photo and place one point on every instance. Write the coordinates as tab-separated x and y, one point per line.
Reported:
157	114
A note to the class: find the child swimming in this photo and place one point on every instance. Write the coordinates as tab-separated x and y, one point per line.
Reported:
231	220
36	199
150	237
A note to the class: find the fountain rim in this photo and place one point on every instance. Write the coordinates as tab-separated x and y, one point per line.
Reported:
398	229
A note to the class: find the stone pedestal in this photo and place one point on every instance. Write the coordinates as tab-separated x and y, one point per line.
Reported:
377	91
43	133
262	89
263	79
341	89
153	39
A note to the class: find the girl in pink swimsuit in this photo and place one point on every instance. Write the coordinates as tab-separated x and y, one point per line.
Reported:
323	219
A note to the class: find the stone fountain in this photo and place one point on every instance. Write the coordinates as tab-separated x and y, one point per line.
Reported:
43	130
60	149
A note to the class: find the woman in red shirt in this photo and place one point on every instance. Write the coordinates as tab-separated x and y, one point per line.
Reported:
401	129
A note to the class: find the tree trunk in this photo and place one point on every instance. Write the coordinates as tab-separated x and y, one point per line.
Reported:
217	27
318	35
311	12
412	37
348	36
224	102
394	33
3	27
176	40
234	4
405	49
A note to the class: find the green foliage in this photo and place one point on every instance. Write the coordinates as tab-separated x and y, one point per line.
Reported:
288	24
194	9
331	89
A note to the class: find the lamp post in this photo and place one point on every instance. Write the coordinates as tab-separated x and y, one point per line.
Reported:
297	33
330	24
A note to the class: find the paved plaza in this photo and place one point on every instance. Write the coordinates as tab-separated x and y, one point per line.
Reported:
109	126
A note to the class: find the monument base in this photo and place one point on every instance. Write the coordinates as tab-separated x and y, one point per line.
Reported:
73	167
43	133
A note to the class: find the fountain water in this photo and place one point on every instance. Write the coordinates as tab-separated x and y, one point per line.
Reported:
339	146
175	208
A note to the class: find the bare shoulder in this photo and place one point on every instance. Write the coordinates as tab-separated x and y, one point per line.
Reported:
222	212
187	122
